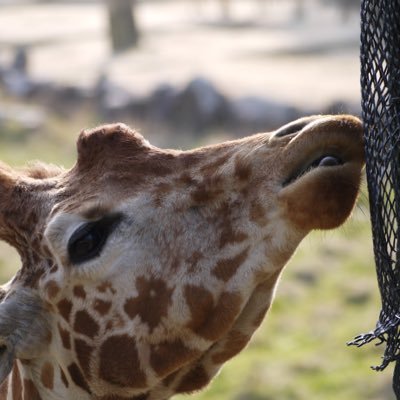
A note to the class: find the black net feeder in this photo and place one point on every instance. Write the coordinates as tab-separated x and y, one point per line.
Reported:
380	82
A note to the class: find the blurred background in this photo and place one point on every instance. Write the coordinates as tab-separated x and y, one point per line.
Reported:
190	72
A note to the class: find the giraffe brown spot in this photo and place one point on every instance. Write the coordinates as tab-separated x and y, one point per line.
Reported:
30	391
54	268
193	260
16	383
200	303
52	289
65	307
160	192
186	180
64	379
101	306
169	356
194	380
152	302
207	191
227	267
79	291
235	342
83	351
242	169
106	286
221	318
119	362
47	376
175	263
65	337
212	167
229	236
257	214
201	194
85	324
77	377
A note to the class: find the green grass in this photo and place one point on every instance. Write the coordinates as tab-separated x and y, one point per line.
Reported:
328	294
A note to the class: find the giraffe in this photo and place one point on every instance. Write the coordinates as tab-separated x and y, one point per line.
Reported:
144	270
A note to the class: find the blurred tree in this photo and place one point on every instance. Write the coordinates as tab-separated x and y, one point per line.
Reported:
225	8
299	10
123	28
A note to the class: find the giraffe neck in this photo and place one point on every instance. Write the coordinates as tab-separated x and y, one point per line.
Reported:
38	381
44	378
19	385
23	384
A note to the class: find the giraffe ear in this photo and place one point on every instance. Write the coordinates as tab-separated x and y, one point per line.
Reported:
8	178
96	146
19	191
8	181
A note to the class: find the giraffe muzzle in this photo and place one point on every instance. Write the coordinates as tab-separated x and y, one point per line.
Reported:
322	164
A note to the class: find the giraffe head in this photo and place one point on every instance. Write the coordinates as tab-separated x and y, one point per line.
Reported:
144	270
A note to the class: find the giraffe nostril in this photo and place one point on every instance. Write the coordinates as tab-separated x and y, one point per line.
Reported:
292	128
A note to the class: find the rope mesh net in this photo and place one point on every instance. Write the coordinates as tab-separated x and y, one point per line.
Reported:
380	82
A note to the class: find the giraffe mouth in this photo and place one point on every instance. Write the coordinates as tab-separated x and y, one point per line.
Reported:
324	161
323	148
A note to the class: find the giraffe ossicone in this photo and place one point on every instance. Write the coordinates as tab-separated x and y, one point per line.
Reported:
144	270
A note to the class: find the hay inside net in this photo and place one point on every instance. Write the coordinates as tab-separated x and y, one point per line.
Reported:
380	83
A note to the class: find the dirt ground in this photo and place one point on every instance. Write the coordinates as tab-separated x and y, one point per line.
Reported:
262	51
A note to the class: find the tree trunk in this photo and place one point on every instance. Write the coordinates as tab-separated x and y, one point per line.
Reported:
225	8
299	12
123	29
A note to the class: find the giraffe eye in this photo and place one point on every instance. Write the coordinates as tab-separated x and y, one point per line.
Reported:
89	239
